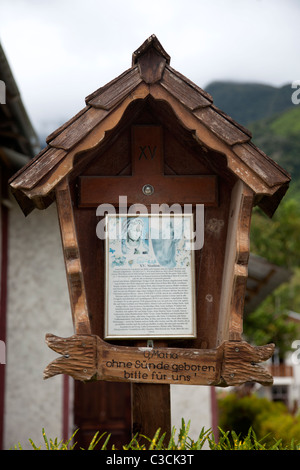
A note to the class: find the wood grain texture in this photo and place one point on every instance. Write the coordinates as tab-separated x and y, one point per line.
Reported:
72	260
95	190
151	409
147	168
151	43
235	324
221	126
110	95
236	264
78	356
151	66
69	137
87	357
241	363
185	94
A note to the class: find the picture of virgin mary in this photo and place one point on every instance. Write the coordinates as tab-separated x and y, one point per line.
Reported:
134	241
165	245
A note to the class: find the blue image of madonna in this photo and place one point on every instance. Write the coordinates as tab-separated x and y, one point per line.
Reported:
134	236
164	243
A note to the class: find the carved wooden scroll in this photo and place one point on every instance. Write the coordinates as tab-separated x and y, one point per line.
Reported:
87	357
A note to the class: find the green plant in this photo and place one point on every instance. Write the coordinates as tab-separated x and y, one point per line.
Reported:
51	444
232	441
183	441
227	440
271	421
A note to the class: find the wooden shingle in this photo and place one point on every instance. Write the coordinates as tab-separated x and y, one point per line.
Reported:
150	76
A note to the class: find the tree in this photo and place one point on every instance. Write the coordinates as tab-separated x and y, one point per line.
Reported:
278	241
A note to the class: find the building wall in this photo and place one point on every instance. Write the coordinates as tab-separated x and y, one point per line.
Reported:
38	303
192	403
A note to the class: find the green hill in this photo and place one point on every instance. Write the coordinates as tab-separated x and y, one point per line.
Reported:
249	102
279	137
268	112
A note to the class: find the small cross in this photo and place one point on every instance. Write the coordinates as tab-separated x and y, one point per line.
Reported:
148	184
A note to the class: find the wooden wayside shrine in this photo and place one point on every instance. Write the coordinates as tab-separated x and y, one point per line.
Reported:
155	138
147	166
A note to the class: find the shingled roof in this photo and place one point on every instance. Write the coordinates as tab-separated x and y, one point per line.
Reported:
149	76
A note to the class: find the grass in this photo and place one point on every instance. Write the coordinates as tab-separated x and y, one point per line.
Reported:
228	440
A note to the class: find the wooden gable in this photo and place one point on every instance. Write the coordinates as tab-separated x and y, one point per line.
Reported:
150	78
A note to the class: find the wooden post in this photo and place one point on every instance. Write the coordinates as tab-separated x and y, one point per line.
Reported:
151	409
151	406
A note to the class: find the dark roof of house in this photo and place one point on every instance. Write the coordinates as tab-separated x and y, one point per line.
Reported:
149	76
18	140
263	278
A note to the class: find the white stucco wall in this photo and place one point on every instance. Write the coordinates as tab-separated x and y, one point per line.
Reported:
192	403
38	303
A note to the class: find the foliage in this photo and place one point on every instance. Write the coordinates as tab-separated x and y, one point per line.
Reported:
241	413
286	124
278	137
138	442
270	421
227	440
269	325
230	440
69	444
183	441
269	322
278	241
285	425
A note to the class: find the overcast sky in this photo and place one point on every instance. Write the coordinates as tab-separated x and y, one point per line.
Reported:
62	50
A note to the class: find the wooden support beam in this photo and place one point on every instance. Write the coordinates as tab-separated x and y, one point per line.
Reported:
151	409
72	260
